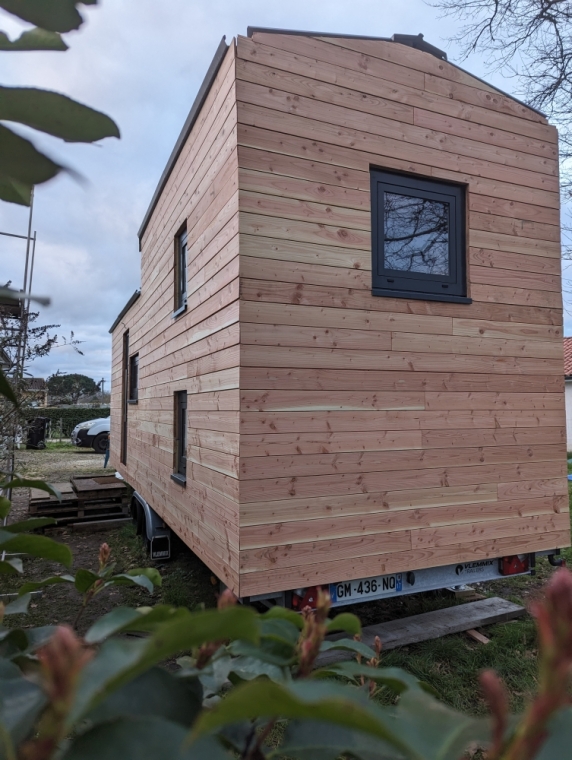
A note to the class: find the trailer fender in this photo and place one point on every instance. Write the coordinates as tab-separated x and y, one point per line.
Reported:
153	528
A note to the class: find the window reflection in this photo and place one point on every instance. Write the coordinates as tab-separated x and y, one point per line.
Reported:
416	234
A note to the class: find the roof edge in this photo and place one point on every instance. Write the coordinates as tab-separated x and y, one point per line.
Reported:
411	40
198	103
125	309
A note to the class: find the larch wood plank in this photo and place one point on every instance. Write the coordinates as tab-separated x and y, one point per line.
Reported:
347	298
262	378
442	523
332	571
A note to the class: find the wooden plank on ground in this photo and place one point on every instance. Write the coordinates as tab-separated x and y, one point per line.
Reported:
431	625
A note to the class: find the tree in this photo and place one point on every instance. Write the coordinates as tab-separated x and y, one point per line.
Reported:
530	40
70	388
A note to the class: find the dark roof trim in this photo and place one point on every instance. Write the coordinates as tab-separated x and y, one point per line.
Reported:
187	127
125	309
412	40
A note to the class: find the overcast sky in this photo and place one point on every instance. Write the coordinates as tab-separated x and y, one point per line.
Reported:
142	62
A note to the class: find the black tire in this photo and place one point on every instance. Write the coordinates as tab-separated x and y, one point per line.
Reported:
140	520
100	443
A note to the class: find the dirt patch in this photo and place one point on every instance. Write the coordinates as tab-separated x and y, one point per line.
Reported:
186	580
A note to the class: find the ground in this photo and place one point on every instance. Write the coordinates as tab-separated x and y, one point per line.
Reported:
450	664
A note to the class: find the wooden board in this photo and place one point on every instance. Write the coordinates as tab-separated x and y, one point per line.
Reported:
430	625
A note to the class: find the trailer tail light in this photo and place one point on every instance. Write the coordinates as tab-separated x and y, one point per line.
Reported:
305	597
514	565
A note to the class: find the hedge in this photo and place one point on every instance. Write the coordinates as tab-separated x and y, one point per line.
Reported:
70	417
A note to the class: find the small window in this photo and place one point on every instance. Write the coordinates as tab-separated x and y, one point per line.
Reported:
418	238
180	272
134	379
180	464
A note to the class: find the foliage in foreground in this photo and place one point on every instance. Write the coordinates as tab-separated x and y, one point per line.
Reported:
22	164
249	686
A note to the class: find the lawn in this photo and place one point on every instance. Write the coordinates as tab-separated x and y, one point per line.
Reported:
450	664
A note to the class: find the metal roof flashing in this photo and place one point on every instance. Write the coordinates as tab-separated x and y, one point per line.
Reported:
125	309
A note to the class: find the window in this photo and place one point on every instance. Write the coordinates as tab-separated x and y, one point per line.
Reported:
180	272
180	464
418	238
124	397
134	379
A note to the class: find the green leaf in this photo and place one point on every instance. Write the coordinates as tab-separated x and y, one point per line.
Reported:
151	738
36	546
282	613
123	579
15	192
124	619
32	524
33	39
119	661
154	693
314	740
26	588
19	606
434	731
345	622
559	738
18	482
349	645
6	389
21	162
21	702
149	572
394	678
5	507
55	16
302	700
84	579
11	566
55	114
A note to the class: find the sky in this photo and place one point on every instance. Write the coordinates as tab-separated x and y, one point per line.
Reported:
142	62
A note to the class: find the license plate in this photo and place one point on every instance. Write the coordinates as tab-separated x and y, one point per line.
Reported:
366	588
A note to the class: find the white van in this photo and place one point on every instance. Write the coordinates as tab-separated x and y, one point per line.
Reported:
93	433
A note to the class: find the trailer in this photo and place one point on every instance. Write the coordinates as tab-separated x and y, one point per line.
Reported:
344	367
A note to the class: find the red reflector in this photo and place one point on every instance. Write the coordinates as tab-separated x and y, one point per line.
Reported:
309	599
513	565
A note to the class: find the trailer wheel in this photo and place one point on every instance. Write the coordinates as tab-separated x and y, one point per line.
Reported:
140	520
100	443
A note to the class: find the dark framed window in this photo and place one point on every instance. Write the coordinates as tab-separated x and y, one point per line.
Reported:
180	463
134	379
124	396
180	272
418	238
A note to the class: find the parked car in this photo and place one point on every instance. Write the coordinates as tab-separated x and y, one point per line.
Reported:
93	433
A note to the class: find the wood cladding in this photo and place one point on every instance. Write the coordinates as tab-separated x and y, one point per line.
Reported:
334	434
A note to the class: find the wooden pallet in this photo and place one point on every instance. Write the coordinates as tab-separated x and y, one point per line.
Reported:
84	499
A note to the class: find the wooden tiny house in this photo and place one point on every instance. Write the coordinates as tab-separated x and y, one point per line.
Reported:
346	357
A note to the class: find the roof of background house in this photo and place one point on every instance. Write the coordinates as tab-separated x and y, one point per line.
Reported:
35	383
411	40
567	357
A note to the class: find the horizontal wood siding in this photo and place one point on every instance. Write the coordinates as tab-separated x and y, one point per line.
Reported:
381	435
199	350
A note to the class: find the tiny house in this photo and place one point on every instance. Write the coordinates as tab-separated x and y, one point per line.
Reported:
345	364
